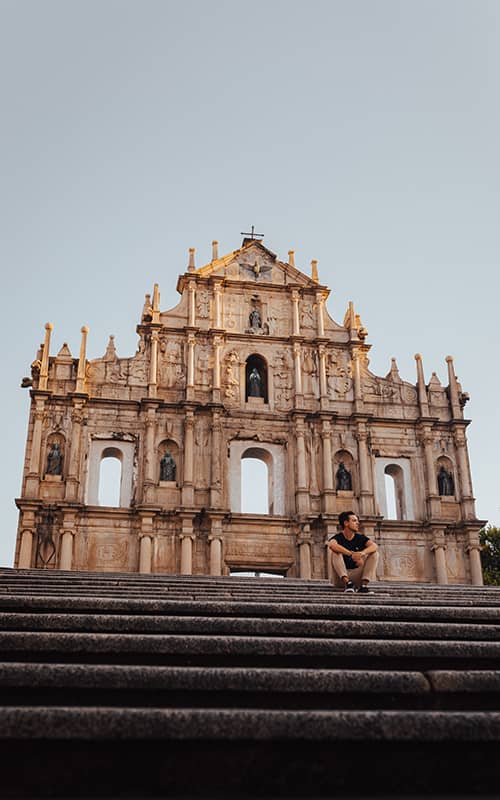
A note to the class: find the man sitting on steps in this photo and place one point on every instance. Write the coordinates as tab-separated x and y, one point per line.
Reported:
354	555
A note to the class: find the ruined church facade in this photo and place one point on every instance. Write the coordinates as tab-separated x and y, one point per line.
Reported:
249	364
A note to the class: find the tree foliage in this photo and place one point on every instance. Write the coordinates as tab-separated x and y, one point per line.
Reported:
490	555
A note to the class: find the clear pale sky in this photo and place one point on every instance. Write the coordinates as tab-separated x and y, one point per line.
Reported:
362	133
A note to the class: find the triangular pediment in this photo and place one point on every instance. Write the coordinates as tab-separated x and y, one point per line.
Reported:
254	262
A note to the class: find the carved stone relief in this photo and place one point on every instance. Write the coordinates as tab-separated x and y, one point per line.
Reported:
203	368
203	304
339	375
171	372
231	377
283	381
310	371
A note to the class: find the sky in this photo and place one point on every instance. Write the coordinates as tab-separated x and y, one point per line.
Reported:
361	133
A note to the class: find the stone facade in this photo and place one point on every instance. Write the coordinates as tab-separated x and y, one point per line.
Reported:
249	364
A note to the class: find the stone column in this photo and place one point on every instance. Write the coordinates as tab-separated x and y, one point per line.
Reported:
215	540
33	477
44	367
305	561
323	385
191	304
66	551
365	477
218	305
145	553
190	360
356	376
438	549
467	499
328	487
72	480
295	313
476	570
187	538
217	344
26	549
302	493
298	369
187	488
150	467
216	457
433	502
153	365
320	302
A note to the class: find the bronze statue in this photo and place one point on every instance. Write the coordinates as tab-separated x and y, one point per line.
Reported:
446	485
254	383
344	480
168	468
54	460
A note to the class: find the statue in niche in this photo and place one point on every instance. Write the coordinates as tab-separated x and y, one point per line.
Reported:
255	383
168	467
54	460
45	548
255	319
344	480
446	485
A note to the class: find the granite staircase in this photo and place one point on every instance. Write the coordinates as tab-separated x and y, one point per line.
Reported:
126	685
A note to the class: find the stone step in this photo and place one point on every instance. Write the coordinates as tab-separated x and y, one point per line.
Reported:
256	626
235	650
343	607
76	685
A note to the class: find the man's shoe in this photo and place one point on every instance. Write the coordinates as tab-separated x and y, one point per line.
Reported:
349	586
363	589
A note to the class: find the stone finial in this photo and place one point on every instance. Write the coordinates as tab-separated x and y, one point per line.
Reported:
291	257
191	266
215	250
44	366
156	304
80	377
393	374
314	270
421	387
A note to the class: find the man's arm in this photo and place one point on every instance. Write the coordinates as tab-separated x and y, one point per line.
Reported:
370	547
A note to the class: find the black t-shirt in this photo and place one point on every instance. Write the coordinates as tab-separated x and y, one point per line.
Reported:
357	543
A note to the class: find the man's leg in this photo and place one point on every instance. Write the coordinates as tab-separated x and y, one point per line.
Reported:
339	574
369	568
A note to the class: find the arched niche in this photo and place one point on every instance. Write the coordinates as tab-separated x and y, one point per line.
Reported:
445	477
343	457
123	451
256	378
273	455
54	455
165	448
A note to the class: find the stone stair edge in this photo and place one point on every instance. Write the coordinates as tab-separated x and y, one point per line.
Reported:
247	724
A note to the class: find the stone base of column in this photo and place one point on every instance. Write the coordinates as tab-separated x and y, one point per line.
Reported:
32	486
71	491
302	501
329	502
188	495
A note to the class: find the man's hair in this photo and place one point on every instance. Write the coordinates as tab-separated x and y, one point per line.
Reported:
343	517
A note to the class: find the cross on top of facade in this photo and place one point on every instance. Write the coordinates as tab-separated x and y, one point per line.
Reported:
252	235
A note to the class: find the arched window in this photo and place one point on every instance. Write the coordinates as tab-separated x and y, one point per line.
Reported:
256	378
390	496
393	487
254	485
110	477
395	496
